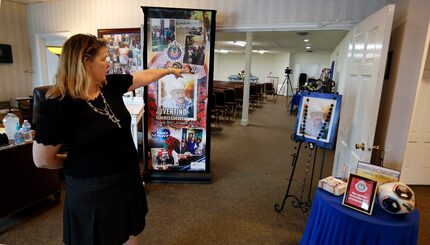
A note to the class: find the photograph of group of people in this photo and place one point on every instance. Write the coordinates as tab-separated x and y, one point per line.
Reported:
192	142
163	33
194	50
124	52
189	34
181	151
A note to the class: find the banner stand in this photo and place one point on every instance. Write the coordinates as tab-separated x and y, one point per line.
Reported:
180	177
177	127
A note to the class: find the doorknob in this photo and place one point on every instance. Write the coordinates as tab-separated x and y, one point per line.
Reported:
360	146
375	147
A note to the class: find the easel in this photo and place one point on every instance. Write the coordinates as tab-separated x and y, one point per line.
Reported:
289	88
304	205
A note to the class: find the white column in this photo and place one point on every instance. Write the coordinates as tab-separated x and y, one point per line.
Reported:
248	56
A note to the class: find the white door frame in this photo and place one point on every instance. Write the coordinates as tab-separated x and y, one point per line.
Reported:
415	166
41	59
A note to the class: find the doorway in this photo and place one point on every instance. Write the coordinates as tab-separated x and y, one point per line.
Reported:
47	61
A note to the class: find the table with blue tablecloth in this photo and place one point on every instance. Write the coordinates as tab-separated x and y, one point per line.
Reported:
332	223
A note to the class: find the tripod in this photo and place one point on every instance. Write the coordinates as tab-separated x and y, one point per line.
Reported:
289	88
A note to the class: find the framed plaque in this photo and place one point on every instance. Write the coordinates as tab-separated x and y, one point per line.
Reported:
380	174
360	194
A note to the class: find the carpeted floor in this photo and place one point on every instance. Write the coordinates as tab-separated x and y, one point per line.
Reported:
250	169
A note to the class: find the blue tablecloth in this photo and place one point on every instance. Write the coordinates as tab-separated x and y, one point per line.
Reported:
332	223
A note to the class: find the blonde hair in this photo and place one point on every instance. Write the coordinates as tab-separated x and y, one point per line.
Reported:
72	77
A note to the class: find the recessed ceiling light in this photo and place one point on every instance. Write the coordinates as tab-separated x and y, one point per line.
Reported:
221	51
308	47
239	43
259	51
305	40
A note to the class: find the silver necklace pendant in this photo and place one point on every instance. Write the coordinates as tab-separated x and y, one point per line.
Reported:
106	111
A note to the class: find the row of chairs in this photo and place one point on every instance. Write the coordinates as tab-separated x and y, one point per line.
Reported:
228	98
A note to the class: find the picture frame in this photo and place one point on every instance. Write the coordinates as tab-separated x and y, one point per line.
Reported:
377	173
360	194
6	53
168	97
317	118
124	49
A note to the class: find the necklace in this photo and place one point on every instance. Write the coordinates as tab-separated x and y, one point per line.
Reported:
106	111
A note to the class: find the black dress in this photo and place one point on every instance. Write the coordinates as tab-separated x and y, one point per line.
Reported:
105	201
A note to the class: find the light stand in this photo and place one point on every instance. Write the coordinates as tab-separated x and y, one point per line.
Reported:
289	88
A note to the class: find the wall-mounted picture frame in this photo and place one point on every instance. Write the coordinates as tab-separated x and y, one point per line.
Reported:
360	194
124	48
6	53
317	118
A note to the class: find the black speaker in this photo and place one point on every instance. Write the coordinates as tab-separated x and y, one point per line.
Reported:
6	53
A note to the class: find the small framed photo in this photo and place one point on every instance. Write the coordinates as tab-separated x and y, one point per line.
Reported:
360	194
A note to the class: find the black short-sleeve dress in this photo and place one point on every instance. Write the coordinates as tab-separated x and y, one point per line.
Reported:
105	200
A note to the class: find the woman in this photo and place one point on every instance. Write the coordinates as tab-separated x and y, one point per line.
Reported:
105	201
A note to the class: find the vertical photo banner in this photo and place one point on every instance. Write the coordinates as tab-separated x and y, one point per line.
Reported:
177	123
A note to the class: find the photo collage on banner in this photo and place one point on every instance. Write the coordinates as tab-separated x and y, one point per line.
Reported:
124	50
177	108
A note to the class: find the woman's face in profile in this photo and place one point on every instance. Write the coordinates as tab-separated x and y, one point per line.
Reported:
98	66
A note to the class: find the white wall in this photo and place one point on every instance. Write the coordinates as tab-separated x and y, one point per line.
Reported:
339	56
15	78
261	65
82	16
310	63
398	96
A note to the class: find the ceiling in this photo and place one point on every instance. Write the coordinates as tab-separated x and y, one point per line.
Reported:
282	41
269	41
30	1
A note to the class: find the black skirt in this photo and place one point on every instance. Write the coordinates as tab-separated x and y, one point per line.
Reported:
105	210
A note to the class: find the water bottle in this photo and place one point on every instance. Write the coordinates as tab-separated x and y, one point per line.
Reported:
26	130
9	122
19	136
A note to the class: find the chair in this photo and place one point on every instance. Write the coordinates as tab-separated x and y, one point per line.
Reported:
302	80
38	97
220	104
214	112
255	94
230	100
268	89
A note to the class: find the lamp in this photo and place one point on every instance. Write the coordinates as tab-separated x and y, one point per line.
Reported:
55	50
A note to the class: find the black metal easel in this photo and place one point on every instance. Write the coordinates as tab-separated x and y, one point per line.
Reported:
304	205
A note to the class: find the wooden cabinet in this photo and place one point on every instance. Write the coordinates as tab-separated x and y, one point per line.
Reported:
21	182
